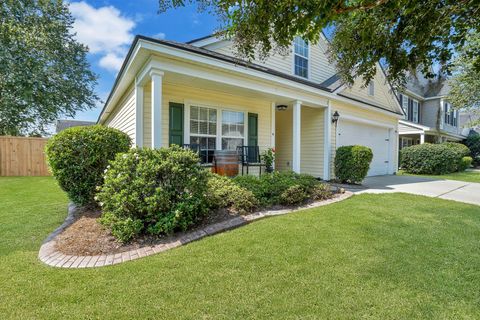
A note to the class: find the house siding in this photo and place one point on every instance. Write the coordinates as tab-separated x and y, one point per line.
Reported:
123	118
429	113
320	68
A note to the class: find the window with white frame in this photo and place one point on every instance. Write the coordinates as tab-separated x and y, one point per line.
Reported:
233	129
300	51
371	88
450	114
405	106
203	128
415	110
447	112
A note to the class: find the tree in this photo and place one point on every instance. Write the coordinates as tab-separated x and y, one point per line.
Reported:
465	81
403	35
44	73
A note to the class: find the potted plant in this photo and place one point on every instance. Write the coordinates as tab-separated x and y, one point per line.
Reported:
268	157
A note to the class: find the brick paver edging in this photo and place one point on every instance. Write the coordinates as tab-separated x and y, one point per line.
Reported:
51	257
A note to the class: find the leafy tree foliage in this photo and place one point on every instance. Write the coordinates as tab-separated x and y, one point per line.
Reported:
401	34
465	82
44	73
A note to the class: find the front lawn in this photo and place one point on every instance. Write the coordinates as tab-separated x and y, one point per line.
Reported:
467	176
371	256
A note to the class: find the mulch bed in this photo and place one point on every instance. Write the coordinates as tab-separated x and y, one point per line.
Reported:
87	237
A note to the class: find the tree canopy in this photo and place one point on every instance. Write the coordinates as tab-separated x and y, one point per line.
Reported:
44	73
402	35
465	80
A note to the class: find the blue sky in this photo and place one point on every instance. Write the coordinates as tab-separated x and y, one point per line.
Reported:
108	28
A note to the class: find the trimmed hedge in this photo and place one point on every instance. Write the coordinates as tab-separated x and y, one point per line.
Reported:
78	156
473	143
429	158
224	193
465	163
462	151
352	163
155	191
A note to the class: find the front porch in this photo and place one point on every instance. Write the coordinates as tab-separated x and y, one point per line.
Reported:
171	108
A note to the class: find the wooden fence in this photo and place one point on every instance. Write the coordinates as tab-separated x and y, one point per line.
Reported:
23	156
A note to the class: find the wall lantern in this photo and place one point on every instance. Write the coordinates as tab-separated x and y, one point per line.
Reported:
282	107
335	117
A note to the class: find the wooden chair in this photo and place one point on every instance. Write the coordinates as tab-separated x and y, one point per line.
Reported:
249	156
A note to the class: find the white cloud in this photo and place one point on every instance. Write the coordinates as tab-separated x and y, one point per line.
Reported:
160	35
111	61
104	30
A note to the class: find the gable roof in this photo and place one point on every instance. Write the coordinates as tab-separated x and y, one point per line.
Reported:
65	124
219	56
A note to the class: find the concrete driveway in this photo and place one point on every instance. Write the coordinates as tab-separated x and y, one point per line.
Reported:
467	192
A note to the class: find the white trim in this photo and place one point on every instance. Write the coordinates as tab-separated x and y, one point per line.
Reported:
413	125
157	128
327	140
139	115
411	93
272	128
422	138
433	98
442	114
206	41
297	140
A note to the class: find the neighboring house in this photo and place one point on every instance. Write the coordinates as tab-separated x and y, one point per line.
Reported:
64	124
429	117
469	122
198	93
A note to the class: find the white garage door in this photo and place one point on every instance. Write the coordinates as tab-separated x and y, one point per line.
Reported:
374	137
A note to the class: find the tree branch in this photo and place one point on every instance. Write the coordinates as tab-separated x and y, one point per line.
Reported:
341	9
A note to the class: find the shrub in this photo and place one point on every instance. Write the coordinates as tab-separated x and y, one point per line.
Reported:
321	191
461	150
473	143
465	163
164	188
429	159
78	156
352	163
224	193
268	189
293	195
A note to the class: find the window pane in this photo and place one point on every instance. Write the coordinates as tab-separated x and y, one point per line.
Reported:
193	126
194	112
231	143
301	66
232	124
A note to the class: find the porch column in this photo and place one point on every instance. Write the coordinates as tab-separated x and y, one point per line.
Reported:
327	139
422	138
157	77
138	114
272	128
297	105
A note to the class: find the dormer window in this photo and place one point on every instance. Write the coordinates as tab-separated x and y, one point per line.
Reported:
300	50
371	88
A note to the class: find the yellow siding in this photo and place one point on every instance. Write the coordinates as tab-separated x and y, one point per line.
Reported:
186	94
311	146
123	118
283	140
320	68
383	94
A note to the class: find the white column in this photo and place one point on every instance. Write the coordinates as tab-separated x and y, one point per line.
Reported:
157	77
422	138
272	128
327	139
138	115
297	105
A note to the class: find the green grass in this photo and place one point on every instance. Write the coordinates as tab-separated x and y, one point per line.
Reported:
371	256
467	176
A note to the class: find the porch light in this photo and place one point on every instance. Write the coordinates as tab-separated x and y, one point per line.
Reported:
335	117
282	107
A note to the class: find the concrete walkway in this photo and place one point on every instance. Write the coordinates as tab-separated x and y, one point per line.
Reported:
467	192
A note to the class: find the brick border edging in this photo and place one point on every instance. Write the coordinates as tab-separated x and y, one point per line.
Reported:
51	257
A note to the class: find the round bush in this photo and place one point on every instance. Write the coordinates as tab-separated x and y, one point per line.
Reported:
465	163
352	163
224	193
429	158
164	188
78	156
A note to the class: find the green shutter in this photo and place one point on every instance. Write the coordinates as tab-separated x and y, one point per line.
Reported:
176	124
252	129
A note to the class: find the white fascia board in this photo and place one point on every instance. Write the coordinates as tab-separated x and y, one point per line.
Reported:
206	41
355	118
413	94
433	98
414	125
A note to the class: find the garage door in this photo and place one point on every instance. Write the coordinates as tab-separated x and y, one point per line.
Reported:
376	138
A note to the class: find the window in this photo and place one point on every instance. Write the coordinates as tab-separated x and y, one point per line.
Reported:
405	105
300	51
371	88
447	113
203	129
415	111
455	118
233	130
450	114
